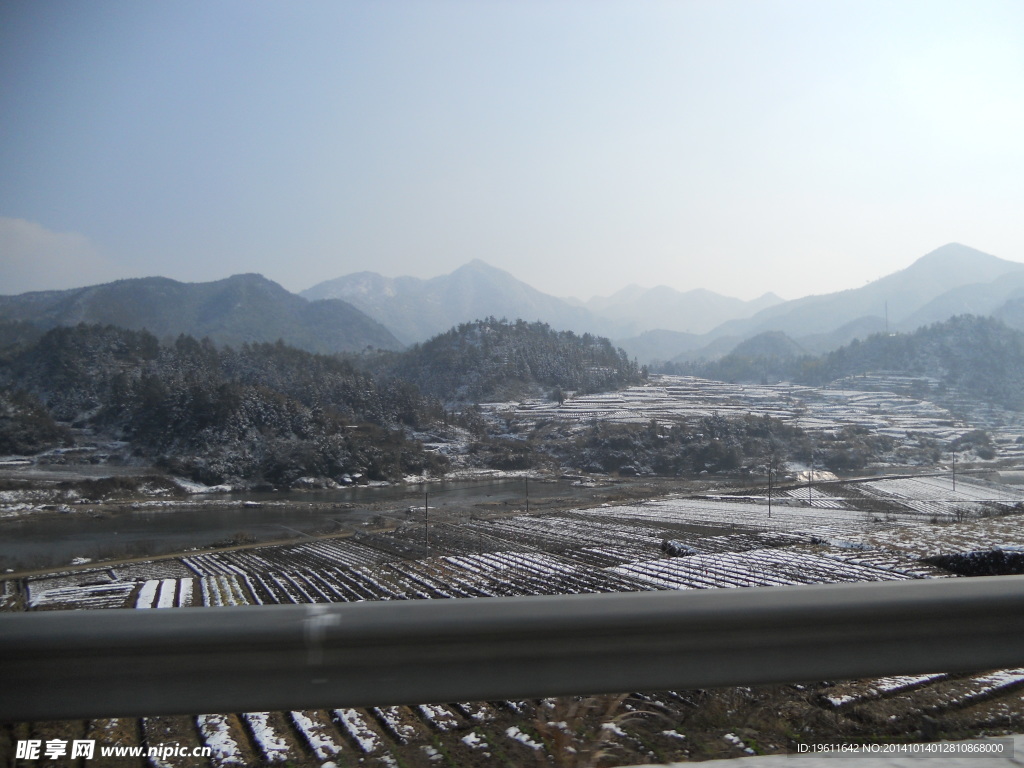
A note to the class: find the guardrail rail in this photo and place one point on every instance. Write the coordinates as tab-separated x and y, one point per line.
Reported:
106	663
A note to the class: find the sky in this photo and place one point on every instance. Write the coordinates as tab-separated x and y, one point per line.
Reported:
741	146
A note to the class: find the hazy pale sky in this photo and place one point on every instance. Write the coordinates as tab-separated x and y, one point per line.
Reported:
797	146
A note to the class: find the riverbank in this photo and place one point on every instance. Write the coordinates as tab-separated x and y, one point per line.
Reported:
146	525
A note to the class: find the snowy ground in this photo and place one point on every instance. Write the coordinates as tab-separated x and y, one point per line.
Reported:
891	405
831	532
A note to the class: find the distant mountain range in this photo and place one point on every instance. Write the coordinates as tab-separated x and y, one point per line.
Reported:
239	309
635	310
365	309
668	325
416	310
949	281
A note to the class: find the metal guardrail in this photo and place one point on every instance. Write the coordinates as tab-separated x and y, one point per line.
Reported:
79	664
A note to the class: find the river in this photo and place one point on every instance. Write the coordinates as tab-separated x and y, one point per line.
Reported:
53	539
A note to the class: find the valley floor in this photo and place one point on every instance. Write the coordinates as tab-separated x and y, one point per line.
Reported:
869	530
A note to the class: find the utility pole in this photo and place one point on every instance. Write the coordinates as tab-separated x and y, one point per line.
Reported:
771	467
426	507
954	471
810	461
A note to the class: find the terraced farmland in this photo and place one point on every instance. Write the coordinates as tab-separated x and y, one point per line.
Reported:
904	408
674	397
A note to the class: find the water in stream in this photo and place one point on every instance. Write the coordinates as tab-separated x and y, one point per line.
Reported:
38	541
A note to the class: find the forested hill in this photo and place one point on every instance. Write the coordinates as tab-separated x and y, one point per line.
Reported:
259	412
980	356
269	412
497	360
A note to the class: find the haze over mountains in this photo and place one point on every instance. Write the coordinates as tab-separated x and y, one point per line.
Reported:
951	280
664	324
365	309
238	309
635	309
416	310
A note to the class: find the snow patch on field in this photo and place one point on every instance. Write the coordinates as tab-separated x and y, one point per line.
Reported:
317	736
273	747
737	742
147	594
475	741
217	735
517	735
356	727
191	486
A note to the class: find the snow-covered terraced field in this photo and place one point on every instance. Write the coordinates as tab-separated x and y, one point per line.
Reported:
983	686
8	595
671	398
849	694
724	512
469	733
162	593
319	735
112	595
924	540
816	498
325	553
222	733
943	496
905	565
898	702
271	736
356	725
769	567
224	590
566	531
